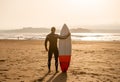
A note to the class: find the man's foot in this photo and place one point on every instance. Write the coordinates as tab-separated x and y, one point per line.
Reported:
57	71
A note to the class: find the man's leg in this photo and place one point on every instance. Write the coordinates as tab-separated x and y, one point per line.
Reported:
56	59
49	59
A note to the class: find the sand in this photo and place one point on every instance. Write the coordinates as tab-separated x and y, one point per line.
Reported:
26	61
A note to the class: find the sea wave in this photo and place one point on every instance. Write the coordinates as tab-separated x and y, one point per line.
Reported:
75	36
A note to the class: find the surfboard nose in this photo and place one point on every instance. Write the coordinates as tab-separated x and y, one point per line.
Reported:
65	24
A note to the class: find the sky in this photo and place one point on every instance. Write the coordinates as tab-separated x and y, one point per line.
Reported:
15	14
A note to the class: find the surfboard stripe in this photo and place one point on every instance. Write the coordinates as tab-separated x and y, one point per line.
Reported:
64	62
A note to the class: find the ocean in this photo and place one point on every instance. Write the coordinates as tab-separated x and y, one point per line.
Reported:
75	36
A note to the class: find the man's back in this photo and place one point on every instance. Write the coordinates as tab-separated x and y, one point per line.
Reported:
52	38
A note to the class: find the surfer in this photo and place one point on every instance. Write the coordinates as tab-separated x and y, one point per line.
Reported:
53	49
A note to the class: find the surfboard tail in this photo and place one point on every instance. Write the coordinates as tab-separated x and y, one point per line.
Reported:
64	62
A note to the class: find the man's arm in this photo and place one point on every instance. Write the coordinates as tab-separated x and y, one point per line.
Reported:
46	40
64	37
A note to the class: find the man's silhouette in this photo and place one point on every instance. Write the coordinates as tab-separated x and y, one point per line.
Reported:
53	49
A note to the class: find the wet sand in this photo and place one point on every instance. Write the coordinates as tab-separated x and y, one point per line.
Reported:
26	61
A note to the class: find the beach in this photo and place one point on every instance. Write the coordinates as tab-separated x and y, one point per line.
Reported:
91	61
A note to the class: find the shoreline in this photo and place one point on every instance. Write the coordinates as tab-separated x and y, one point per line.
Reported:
58	40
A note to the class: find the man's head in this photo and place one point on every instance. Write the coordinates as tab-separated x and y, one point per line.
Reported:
53	30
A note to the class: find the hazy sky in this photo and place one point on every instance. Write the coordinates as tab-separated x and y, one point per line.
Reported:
47	13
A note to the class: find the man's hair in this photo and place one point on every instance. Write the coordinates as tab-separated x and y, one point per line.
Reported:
53	28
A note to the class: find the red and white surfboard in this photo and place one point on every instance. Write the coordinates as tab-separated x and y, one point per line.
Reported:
64	49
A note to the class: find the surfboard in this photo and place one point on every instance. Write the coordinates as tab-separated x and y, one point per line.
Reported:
64	49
